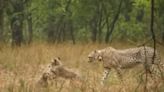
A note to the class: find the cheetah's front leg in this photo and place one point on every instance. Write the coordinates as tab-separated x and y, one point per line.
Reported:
105	76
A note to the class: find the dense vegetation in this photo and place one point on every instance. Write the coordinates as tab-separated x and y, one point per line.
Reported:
40	23
24	21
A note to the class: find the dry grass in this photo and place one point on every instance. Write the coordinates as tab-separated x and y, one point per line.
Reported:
20	67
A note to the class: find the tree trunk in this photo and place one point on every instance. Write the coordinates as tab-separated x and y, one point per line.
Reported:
93	26
140	15
29	22
152	29
1	19
17	22
62	32
100	17
163	37
96	24
109	32
94	32
17	35
72	32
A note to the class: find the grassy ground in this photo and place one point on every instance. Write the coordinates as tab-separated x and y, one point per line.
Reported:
20	68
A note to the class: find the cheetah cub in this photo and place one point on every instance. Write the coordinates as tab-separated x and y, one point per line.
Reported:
56	70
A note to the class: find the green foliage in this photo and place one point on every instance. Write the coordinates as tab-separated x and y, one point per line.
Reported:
133	23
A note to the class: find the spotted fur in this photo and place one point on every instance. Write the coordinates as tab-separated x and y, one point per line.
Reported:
57	70
124	59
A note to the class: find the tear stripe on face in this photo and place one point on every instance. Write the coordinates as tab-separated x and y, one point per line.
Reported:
100	58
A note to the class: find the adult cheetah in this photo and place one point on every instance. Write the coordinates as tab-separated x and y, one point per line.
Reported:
122	59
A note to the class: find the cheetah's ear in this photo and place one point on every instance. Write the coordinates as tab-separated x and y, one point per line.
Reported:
97	51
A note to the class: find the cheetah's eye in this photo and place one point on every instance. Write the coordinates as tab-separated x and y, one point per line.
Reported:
95	51
49	66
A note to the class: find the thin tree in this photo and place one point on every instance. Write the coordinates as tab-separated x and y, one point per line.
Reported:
112	25
1	19
30	30
152	28
16	21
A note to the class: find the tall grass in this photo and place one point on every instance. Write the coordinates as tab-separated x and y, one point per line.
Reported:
20	68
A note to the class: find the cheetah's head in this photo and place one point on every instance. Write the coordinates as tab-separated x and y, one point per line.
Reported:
95	55
56	62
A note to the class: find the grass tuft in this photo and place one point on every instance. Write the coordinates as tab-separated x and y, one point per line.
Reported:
20	68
